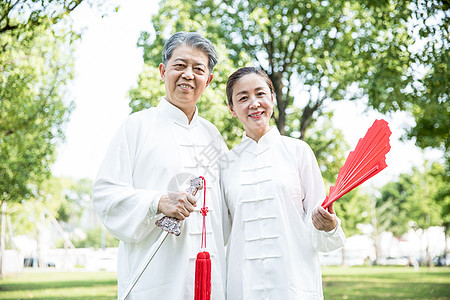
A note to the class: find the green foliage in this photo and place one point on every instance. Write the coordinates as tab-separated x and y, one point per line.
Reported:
327	143
353	209
74	198
36	66
93	239
411	202
430	105
440	177
64	199
18	16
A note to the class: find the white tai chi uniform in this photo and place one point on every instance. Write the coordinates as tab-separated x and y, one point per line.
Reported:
155	152
271	188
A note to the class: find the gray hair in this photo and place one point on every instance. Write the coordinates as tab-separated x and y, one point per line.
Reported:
193	40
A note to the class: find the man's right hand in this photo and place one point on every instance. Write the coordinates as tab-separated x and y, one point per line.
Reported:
177	205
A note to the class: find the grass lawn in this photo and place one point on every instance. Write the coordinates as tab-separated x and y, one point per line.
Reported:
59	285
386	283
338	282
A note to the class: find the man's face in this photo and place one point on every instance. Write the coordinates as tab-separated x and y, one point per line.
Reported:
185	76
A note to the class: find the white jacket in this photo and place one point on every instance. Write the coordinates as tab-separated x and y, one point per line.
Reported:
157	151
271	188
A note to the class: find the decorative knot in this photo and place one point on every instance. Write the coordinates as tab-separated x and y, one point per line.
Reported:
204	211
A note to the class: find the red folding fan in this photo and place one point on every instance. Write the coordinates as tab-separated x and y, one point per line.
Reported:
368	159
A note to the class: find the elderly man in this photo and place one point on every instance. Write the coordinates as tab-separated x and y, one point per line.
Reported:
143	176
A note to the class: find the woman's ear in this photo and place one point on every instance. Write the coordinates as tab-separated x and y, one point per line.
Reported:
230	107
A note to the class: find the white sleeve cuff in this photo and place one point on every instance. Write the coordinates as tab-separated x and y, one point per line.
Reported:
333	231
153	208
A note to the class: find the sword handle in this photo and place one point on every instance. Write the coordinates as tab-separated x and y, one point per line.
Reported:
172	225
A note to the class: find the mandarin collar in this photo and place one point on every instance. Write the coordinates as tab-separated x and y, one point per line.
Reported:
264	142
175	114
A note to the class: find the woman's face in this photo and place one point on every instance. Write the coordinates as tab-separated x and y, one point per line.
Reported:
252	104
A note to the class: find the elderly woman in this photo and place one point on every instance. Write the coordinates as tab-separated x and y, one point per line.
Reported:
273	188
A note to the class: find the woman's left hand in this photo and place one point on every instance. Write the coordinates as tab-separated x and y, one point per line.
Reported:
324	220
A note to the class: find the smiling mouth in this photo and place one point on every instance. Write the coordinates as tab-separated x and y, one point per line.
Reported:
256	114
186	86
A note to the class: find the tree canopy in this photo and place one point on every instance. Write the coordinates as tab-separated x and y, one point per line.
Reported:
34	107
316	52
430	105
37	45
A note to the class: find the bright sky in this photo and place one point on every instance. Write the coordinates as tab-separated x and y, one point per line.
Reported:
107	66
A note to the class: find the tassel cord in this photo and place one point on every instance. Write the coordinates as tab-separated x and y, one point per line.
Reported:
204	212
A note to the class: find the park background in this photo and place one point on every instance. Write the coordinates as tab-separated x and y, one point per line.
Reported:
71	72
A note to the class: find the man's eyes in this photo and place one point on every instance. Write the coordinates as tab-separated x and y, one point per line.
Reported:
196	69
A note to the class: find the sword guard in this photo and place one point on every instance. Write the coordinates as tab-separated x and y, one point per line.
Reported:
173	225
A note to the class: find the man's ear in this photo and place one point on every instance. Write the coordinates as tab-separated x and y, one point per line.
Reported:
209	80
230	107
162	71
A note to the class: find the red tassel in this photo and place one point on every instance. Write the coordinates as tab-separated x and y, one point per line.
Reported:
203	276
203	262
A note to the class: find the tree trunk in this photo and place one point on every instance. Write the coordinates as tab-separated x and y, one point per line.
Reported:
445	247
377	249
375	233
282	100
40	244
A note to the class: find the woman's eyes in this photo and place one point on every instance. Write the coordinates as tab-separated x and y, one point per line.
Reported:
259	94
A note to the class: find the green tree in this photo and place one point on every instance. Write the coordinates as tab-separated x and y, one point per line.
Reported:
36	64
33	110
440	179
429	104
75	197
410	202
18	16
328	145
